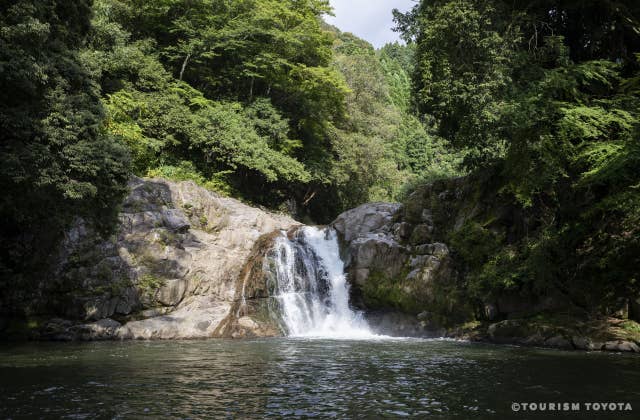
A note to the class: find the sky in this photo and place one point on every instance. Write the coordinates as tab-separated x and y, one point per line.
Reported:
368	19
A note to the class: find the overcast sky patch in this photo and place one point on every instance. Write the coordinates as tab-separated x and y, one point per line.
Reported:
368	19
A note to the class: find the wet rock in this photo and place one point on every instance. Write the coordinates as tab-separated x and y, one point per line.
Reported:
399	324
104	329
583	343
558	342
508	331
248	323
621	346
57	329
536	339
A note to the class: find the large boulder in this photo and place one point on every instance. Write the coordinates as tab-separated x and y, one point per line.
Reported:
170	271
393	264
366	219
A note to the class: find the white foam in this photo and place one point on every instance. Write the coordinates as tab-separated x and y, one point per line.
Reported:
306	311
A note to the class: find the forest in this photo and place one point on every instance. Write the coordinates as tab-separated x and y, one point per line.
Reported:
263	101
234	209
543	98
256	99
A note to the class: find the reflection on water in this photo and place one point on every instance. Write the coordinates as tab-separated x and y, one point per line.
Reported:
303	378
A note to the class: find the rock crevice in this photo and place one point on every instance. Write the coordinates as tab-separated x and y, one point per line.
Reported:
169	272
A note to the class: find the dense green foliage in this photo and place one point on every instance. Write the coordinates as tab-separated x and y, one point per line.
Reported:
258	99
227	90
58	161
261	100
544	97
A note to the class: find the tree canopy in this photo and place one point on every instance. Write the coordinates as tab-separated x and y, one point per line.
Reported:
544	96
58	161
258	99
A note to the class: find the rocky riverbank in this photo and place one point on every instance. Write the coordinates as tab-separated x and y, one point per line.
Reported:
187	263
407	267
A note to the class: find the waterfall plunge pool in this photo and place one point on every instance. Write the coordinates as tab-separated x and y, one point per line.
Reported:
299	377
328	376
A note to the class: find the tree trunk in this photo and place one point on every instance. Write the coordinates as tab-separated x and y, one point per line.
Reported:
184	65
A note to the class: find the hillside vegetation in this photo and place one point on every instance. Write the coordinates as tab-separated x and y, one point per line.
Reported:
256	99
536	102
543	98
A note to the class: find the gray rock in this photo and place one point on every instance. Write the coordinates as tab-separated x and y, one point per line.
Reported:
248	323
402	230
365	219
418	261
437	249
155	312
399	324
621	346
104	329
538	339
100	307
57	329
127	302
159	257
362	274
375	245
559	342
175	220
583	343
376	253
172	292
198	319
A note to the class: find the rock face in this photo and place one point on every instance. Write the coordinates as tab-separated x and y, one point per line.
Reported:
169	272
393	264
188	263
405	265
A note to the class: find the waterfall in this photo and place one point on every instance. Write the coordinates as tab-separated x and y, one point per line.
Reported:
310	287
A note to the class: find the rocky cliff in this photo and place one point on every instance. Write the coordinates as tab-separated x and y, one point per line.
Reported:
185	262
169	271
411	268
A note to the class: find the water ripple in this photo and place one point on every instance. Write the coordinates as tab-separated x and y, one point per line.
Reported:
300	378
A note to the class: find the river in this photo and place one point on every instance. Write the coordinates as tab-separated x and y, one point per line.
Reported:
302	377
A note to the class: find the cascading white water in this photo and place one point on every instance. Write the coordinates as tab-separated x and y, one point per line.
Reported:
311	287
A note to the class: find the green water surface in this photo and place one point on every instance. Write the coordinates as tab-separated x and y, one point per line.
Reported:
307	378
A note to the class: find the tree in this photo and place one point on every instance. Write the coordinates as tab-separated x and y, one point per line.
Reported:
543	96
58	161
